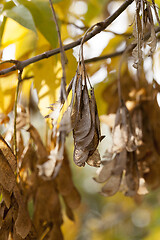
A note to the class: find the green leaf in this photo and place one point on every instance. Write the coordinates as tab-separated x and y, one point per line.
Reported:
2	24
43	19
21	15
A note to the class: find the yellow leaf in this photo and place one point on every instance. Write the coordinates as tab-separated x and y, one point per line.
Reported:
46	83
25	44
25	40
7	92
61	9
25	91
47	78
71	66
12	32
154	234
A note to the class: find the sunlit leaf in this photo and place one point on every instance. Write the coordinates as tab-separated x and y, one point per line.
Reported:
21	15
43	19
7	92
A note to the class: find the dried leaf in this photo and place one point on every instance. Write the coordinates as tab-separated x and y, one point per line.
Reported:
7	177
137	123
2	209
73	199
64	178
6	225
80	156
56	233
104	173
94	160
42	152
23	222
120	163
87	131
6	197
83	126
122	132
47	205
69	212
137	33
152	41
8	153
112	186
132	176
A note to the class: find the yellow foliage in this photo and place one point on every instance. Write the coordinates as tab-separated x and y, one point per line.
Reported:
61	9
47	78
25	40
25	44
154	234
7	93
25	91
72	226
12	32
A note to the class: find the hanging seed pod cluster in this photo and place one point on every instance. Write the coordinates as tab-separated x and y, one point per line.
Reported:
134	154
81	117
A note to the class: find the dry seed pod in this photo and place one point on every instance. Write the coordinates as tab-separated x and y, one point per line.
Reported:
87	131
122	132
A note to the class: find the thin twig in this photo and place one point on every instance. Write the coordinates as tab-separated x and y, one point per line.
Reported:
83	28
9	61
15	113
63	80
103	57
101	26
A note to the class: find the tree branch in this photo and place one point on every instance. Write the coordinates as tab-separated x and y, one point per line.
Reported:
118	53
103	57
100	27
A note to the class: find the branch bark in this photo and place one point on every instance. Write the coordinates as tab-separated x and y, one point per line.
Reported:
100	27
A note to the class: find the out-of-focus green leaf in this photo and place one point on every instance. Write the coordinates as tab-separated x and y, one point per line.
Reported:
8	5
21	15
94	9
43	19
56	1
2	24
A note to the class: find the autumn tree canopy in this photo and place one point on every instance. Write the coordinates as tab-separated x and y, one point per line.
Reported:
79	84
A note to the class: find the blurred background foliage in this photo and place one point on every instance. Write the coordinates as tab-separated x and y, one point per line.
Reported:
27	29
